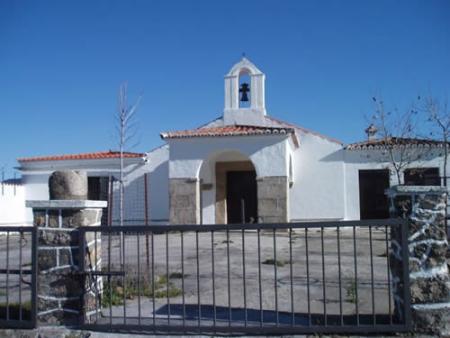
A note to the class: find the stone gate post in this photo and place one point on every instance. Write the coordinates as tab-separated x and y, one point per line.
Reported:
62	295
424	207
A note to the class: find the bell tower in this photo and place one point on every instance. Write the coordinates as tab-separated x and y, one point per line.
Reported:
244	95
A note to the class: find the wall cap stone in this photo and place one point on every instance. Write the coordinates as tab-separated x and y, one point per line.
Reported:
66	204
412	189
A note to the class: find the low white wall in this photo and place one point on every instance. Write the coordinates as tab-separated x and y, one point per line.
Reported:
12	205
35	181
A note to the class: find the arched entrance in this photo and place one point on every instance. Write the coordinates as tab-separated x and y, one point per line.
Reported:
228	184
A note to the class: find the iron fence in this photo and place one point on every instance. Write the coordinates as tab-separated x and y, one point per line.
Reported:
248	278
18	277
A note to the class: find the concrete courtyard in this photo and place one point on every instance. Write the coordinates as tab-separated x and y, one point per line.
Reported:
313	279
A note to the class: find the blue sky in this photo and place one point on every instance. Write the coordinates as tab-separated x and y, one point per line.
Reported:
61	63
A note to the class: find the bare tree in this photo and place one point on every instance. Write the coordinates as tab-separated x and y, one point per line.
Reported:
126	129
397	132
438	115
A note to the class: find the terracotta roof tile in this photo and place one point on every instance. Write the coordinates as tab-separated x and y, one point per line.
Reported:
233	130
84	156
393	141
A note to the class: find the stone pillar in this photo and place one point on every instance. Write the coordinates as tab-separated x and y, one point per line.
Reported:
184	201
427	244
273	199
62	295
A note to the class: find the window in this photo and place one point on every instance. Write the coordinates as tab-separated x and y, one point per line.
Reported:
422	176
98	191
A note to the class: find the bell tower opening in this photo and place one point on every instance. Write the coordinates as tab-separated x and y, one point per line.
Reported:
244	95
244	90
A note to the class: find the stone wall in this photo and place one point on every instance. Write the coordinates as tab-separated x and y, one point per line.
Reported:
64	294
184	201
273	199
63	297
424	207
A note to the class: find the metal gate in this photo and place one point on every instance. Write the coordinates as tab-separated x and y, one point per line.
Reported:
18	247
324	277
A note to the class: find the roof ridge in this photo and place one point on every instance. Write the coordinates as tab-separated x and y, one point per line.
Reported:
394	140
86	156
305	130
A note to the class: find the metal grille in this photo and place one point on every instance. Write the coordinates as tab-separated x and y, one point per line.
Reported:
251	278
17	277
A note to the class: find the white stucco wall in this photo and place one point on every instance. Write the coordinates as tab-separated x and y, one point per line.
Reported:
35	177
356	160
267	153
12	205
317	192
196	158
158	181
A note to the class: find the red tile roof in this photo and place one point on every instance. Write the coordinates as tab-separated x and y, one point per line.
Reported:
84	156
394	142
233	130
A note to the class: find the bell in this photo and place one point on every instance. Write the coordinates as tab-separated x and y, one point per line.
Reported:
244	90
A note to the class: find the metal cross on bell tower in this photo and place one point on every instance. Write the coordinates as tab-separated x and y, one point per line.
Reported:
244	89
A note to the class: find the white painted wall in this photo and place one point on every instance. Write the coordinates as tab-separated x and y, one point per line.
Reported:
356	160
158	181
35	177
12	205
318	175
267	153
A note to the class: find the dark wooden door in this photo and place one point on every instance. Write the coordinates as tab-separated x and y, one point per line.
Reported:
241	190
373	202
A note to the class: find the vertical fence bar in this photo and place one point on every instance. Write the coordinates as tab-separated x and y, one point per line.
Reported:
243	279
275	275
147	245
213	275
33	286
20	275
7	275
405	268
338	230
124	278
261	311
291	276
82	261
374	317
307	278
199	312
324	283
96	290
355	260
109	278
182	278
138	249
167	278
228	277
388	274
153	282
110	200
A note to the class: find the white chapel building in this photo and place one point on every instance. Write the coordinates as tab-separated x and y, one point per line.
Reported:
245	166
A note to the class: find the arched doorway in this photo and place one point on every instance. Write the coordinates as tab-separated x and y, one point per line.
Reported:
228	180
